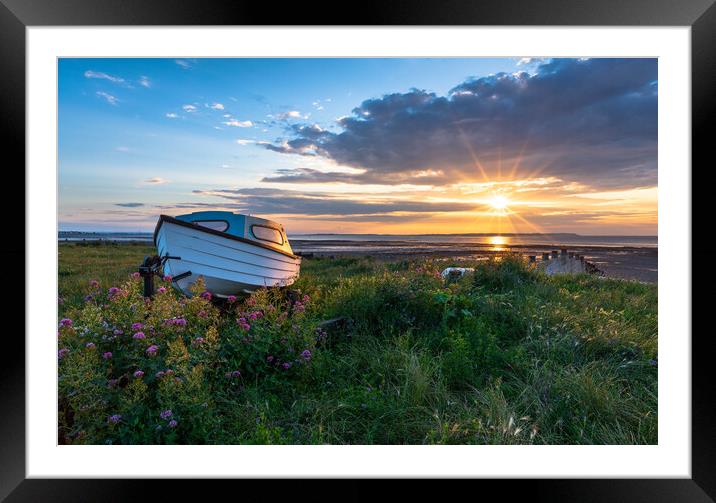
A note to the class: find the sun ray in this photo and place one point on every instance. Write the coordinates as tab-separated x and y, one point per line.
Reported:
473	155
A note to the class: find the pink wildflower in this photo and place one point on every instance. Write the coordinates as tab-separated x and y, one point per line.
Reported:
94	283
286	365
166	414
269	358
168	278
114	419
231	299
65	322
139	335
236	373
202	314
206	295
138	374
306	355
90	345
107	355
173	423
161	289
62	352
137	326
152	350
136	275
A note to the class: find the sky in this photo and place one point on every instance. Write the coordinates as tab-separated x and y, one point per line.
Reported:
390	146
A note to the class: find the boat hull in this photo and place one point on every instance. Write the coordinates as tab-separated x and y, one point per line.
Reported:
229	266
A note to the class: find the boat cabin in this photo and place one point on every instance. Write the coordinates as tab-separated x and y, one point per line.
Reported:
259	230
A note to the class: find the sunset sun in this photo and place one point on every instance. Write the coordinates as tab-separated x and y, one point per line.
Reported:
499	202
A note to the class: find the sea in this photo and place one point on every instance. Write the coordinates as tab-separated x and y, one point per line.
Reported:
356	240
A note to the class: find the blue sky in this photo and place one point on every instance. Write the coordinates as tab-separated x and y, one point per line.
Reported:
350	145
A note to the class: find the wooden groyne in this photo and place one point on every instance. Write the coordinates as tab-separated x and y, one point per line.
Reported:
564	262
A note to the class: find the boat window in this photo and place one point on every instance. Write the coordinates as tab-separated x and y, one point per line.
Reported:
267	234
217	225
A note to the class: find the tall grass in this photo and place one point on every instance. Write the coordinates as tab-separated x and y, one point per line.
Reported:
505	355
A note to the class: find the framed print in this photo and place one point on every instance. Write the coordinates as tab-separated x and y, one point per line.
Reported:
429	243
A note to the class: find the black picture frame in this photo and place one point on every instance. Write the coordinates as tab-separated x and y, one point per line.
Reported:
700	15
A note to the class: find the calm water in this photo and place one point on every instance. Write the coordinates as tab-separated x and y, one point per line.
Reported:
416	240
491	239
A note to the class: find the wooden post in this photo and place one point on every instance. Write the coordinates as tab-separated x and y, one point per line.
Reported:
555	254
545	257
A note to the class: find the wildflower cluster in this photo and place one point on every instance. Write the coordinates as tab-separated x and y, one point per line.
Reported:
275	334
144	366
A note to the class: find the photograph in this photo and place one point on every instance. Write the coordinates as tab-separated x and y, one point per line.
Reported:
357	250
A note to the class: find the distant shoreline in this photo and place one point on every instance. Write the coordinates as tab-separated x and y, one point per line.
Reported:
515	239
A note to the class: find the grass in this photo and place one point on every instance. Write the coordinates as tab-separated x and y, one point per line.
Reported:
506	355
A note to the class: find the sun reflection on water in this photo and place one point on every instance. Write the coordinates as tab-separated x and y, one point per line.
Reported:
499	243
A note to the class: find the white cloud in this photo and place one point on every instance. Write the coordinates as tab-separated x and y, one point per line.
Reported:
112	100
183	63
529	61
228	116
122	149
155	181
216	106
144	81
101	75
236	123
245	142
293	114
171	115
189	108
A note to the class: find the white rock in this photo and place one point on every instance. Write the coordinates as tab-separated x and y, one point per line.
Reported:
456	272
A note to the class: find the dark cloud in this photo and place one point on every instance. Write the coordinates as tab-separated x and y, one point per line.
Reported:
593	121
276	201
130	205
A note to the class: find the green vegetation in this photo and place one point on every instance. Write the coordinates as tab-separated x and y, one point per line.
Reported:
503	356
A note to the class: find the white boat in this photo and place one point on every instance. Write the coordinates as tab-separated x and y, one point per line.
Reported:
234	253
